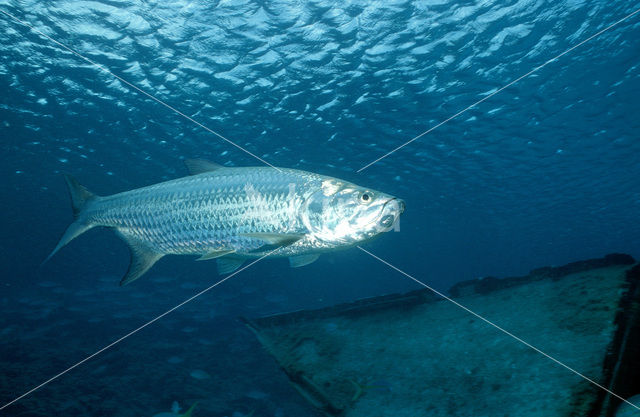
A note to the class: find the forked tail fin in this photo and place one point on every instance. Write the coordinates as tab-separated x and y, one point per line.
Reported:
80	198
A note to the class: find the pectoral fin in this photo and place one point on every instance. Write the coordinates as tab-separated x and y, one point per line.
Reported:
275	239
229	264
142	258
302	260
214	254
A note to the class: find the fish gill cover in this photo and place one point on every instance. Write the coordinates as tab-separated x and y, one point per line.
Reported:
547	171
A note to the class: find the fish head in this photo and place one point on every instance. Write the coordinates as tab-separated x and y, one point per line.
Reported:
343	213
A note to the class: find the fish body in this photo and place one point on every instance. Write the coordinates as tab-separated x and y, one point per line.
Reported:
233	214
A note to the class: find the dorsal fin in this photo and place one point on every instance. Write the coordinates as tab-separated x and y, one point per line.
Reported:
200	166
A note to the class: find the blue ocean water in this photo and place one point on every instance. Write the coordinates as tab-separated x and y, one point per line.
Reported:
545	172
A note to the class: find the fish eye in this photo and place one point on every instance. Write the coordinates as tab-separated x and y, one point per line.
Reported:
365	197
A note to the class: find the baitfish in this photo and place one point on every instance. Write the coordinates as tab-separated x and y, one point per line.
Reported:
233	214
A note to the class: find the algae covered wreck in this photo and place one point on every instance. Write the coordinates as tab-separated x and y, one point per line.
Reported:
417	354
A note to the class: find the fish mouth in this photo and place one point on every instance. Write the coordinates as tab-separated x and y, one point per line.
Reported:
391	211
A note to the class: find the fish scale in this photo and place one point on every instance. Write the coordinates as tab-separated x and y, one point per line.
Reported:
199	214
233	214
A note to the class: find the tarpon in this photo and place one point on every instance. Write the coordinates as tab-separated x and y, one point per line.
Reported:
233	214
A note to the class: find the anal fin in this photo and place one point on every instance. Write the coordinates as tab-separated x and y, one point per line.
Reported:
229	264
142	258
302	260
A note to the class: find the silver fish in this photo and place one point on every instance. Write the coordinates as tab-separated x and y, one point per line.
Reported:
233	214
